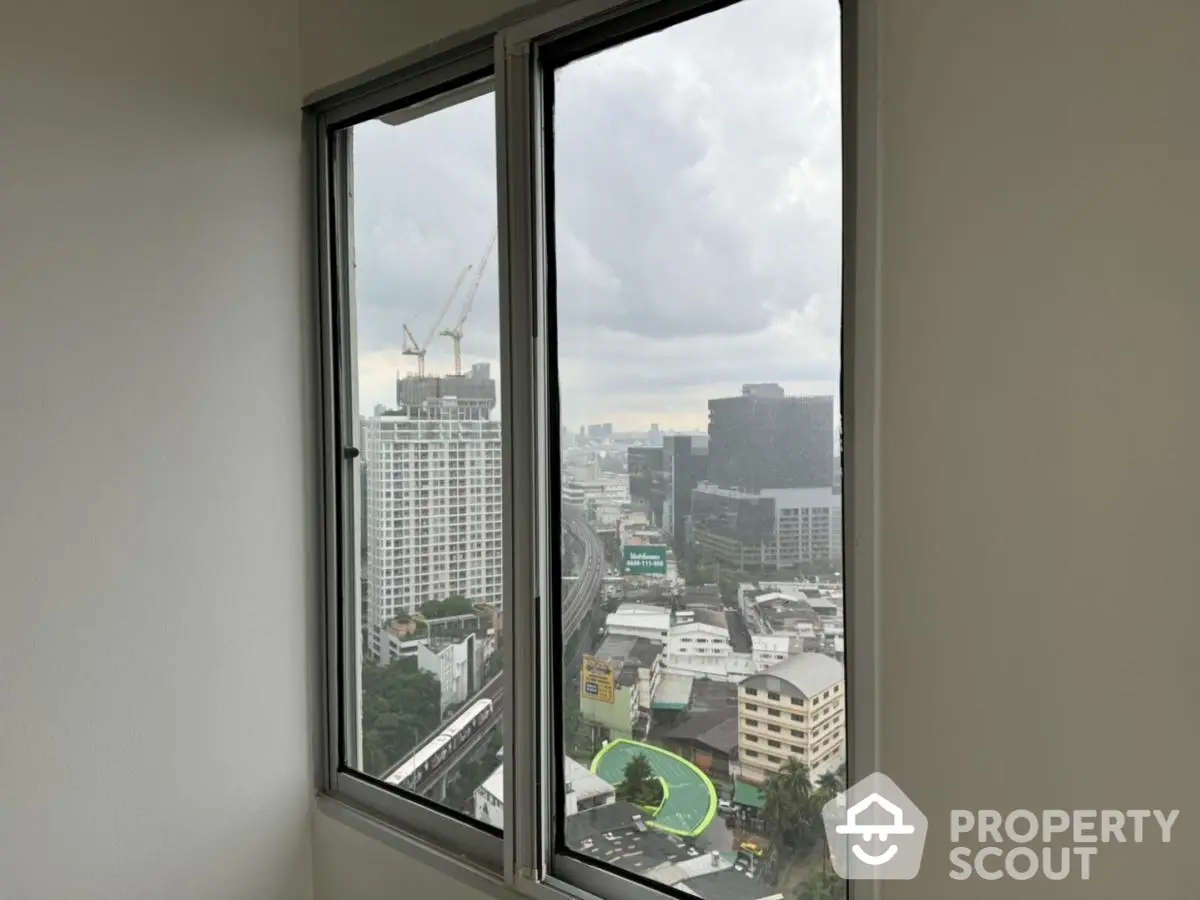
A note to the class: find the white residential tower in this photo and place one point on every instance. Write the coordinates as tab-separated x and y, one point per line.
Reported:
432	495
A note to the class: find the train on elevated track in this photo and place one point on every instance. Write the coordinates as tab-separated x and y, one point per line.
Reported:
410	772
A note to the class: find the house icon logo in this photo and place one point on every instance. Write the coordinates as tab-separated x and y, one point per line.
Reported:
874	831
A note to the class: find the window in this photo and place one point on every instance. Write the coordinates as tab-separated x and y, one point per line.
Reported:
533	246
415	720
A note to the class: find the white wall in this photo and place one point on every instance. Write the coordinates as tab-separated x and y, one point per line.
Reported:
341	39
154	740
1040	361
1041	352
349	866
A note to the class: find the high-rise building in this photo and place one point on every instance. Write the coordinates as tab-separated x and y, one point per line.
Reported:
433	495
764	439
685	462
768	529
663	478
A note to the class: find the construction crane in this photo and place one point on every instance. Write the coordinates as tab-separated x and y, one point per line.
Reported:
456	333
411	347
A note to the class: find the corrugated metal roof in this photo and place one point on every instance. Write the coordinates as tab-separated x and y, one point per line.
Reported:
809	674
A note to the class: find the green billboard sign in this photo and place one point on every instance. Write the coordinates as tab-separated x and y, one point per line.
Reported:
645	560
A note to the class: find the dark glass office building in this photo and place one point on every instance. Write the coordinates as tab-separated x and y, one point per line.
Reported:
766	440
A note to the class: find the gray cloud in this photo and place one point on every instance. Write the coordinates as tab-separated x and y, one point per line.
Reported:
698	218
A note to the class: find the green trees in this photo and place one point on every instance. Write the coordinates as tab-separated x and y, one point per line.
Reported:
789	809
401	706
829	786
638	784
793	817
822	885
470	774
452	606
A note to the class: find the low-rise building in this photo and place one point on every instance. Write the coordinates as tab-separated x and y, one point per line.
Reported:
639	621
699	645
707	739
814	617
634	672
583	790
457	665
793	710
388	643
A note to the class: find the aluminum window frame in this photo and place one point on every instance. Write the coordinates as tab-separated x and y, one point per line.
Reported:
531	50
442	837
518	50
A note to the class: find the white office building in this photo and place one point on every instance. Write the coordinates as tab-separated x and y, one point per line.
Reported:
432	496
808	525
457	666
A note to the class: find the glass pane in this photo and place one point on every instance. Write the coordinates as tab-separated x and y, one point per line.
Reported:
426	347
697	183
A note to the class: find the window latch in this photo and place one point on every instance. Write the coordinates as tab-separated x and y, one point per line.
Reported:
350	452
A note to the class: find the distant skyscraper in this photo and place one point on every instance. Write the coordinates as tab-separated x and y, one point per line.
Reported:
432	495
664	478
765	440
772	497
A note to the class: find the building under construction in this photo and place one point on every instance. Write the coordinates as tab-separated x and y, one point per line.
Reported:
474	390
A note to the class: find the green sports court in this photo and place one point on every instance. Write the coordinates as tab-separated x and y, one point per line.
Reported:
691	799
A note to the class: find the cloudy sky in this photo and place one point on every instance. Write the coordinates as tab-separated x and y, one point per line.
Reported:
698	221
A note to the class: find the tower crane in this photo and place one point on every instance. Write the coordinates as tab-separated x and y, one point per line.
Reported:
456	333
411	347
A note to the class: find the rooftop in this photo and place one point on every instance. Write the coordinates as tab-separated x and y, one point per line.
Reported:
707	595
703	864
729	884
703	615
690	803
674	692
621	648
582	780
618	834
739	634
715	729
641	610
708	694
808	674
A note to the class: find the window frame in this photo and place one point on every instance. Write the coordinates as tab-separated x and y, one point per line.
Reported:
519	49
428	85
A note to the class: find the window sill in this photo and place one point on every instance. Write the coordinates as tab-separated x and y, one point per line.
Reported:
461	870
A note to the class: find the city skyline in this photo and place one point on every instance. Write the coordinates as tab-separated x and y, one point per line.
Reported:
725	270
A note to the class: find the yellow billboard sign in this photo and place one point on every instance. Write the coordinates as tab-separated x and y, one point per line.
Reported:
599	681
